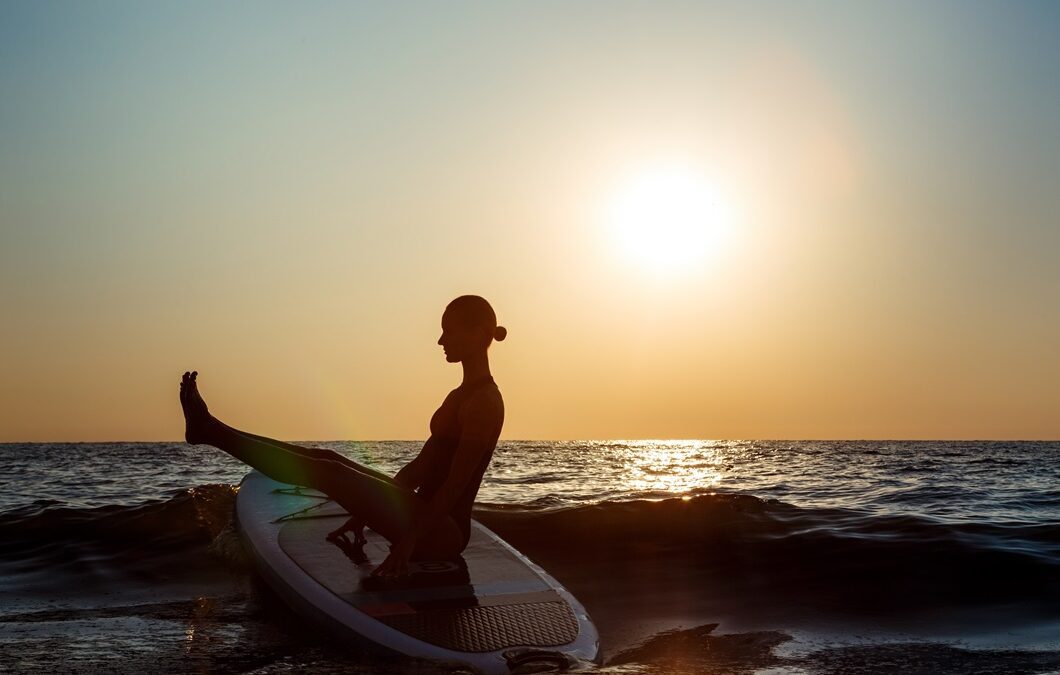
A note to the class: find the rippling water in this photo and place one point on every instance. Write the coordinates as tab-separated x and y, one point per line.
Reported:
942	556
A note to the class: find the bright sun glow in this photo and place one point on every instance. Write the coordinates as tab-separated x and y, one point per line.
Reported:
667	219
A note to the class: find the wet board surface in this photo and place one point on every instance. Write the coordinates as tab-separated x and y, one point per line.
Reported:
488	608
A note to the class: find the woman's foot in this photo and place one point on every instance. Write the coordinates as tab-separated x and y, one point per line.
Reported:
355	525
197	418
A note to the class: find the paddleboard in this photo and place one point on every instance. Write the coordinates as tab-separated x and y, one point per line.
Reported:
491	609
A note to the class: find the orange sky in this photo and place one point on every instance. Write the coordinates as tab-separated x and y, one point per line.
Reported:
287	204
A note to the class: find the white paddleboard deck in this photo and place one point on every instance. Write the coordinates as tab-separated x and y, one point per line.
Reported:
491	609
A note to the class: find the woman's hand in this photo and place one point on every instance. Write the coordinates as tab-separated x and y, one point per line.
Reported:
397	563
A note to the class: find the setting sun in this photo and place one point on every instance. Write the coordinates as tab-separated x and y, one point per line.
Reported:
666	219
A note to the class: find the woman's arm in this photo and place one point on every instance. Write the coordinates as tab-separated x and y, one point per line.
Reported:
411	475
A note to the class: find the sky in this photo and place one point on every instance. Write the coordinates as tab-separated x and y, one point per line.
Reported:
748	220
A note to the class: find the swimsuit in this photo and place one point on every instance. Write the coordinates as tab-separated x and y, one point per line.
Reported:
441	448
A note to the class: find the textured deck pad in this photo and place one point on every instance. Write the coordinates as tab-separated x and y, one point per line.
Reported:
487	599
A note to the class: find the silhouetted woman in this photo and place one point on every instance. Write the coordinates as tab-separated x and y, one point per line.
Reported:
424	510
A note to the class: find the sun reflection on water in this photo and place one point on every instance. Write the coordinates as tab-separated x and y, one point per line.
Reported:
672	466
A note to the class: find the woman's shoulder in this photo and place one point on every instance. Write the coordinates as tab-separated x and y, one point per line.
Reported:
485	405
483	396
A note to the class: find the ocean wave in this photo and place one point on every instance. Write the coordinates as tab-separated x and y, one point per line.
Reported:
739	545
48	544
733	544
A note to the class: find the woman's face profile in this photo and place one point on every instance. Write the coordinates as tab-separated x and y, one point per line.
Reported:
458	340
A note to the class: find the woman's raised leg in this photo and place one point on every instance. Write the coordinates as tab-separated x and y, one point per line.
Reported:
386	507
316	453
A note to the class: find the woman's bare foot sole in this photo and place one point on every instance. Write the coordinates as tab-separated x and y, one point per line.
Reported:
197	418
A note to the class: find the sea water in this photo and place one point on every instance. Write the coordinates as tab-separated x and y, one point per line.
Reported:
690	556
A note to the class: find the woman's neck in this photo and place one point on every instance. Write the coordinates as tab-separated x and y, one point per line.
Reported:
475	368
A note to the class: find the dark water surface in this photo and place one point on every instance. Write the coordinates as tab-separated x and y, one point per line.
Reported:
691	556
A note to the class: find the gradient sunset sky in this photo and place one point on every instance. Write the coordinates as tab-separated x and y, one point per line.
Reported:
285	196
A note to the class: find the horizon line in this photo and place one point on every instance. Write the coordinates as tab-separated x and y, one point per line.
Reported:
594	440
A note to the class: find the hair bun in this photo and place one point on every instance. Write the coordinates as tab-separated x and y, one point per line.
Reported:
499	333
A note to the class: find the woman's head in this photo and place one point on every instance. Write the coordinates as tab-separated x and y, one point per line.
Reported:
469	325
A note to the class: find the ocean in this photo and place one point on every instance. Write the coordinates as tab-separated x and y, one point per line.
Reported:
690	556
